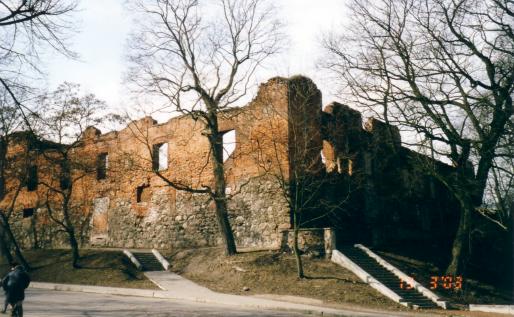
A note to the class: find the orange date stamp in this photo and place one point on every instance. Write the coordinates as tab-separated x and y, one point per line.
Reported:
445	282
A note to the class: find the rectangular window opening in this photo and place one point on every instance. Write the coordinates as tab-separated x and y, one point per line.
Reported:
65	182
229	144
350	167
160	157
143	194
102	163
32	179
28	212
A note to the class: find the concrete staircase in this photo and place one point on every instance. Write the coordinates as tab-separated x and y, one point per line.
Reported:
148	261
409	296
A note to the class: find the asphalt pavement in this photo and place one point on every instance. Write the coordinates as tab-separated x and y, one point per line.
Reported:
46	303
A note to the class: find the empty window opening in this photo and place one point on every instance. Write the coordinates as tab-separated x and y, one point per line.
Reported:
102	163
350	167
28	212
346	166
65	182
160	157
143	194
229	144
32	178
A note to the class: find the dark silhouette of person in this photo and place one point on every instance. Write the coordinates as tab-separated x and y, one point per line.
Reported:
14	285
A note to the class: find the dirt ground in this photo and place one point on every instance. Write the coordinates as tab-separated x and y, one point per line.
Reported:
270	272
267	272
101	268
251	273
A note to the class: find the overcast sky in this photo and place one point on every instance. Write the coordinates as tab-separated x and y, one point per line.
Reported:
105	24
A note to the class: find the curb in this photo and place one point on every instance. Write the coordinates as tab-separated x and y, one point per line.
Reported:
226	299
499	309
94	289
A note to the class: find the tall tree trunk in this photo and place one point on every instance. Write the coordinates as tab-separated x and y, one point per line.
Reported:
74	249
17	250
220	198
296	249
469	191
460	247
70	230
226	231
34	231
12	239
6	253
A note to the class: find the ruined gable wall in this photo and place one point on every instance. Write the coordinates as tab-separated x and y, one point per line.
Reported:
259	211
168	218
304	127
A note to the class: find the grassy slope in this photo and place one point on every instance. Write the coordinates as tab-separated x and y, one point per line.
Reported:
261	272
102	268
275	273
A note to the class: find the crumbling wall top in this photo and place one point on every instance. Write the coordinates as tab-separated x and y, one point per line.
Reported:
91	132
383	132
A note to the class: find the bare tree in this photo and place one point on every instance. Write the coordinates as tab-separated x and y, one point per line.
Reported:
64	119
200	58
13	172
26	28
443	71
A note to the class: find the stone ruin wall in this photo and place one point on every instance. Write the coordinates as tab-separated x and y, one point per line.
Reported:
167	218
397	199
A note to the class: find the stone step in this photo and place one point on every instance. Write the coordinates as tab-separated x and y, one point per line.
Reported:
380	273
148	261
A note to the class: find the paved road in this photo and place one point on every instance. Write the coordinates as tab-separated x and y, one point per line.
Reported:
47	303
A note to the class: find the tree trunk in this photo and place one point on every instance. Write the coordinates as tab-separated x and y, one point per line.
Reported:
469	191
4	247
70	229
12	239
220	198
74	249
296	250
34	231
17	250
226	231
460	248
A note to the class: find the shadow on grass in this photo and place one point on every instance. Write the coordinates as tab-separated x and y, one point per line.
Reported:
89	267
345	280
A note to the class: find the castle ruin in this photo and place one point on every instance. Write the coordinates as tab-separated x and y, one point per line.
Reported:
375	191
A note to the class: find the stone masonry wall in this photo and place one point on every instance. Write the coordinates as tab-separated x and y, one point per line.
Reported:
132	207
259	213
